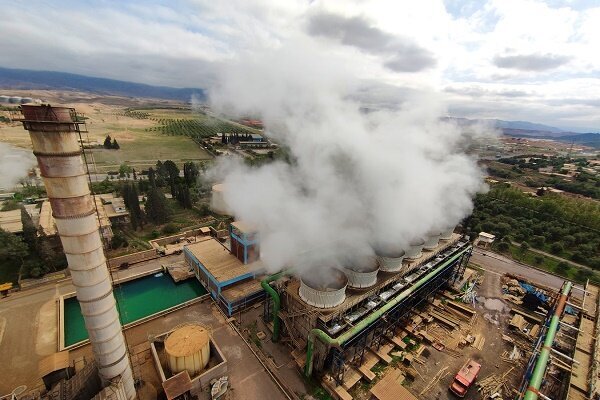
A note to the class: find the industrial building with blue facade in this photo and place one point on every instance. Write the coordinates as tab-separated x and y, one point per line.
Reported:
229	275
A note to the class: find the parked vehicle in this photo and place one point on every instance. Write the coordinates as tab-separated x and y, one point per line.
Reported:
465	378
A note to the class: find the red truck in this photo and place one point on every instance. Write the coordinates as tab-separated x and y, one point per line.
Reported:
465	378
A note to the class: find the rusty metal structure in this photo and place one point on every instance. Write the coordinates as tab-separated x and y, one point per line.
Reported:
55	134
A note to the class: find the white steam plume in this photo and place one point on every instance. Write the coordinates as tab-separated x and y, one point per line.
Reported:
14	165
358	179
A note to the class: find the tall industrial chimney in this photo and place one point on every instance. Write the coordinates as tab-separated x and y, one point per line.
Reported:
54	133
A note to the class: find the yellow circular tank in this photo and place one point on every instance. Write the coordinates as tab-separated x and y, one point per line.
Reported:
188	348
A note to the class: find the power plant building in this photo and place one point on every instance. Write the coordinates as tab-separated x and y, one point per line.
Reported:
229	280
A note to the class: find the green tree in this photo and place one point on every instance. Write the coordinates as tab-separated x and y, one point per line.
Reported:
562	267
156	207
48	255
171	169
30	233
108	142
503	247
152	177
556	248
190	173
538	260
524	247
115	145
538	241
13	248
132	202
124	170
118	240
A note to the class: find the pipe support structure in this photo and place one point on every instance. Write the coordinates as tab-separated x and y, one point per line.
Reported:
365	323
539	371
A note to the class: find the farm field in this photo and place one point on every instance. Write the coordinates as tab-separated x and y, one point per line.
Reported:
133	123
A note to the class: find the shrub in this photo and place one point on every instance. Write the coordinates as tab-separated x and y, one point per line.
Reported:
170	229
503	247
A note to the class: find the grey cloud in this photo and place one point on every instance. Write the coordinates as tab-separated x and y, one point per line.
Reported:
476	91
531	62
575	102
401	54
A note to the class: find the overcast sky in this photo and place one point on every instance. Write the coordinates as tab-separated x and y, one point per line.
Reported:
509	59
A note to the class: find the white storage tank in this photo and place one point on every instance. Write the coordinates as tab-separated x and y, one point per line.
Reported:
362	272
188	348
3	99
217	201
432	241
415	249
14	100
447	233
390	260
323	288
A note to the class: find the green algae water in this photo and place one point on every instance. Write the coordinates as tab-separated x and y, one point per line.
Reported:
137	299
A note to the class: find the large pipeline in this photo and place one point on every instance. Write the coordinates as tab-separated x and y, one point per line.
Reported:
541	364
356	329
265	283
54	133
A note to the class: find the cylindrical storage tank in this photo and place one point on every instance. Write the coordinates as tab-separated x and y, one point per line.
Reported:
323	288
432	241
447	233
26	100
14	100
3	99
217	201
362	272
390	260
188	349
415	249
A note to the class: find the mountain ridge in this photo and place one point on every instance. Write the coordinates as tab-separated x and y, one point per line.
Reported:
30	79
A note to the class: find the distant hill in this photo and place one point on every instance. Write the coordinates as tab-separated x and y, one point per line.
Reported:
533	130
28	79
525	126
585	139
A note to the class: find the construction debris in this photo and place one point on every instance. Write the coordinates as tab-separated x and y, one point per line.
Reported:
494	385
440	375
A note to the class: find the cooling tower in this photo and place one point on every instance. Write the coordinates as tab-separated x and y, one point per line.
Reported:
415	249
54	133
390	260
447	233
362	272
432	241
323	288
217	202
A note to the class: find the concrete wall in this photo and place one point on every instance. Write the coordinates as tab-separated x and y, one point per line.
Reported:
156	243
133	258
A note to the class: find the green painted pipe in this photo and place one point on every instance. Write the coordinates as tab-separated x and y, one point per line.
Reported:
542	362
356	329
265	283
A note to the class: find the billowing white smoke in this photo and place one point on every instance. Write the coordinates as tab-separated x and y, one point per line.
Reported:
14	165
357	179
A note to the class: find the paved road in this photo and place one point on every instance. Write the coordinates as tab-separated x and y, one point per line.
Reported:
500	264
